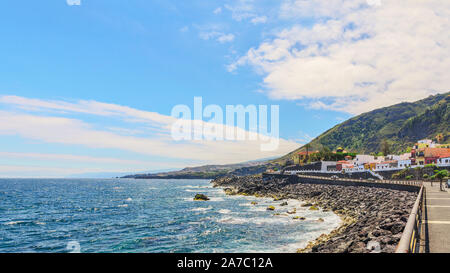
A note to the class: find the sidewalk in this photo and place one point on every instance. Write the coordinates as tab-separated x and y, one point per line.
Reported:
438	218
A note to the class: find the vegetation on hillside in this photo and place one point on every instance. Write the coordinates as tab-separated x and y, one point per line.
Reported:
390	129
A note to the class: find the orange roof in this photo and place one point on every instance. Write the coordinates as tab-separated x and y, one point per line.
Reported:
437	152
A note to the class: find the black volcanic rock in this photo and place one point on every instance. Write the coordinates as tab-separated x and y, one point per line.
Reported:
201	197
370	214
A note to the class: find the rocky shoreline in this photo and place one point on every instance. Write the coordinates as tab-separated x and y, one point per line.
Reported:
372	218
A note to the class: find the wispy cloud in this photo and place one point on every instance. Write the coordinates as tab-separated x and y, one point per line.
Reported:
184	29
218	36
259	20
83	159
33	121
243	10
73	2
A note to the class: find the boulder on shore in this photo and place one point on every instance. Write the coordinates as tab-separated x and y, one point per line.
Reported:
293	211
367	212
201	197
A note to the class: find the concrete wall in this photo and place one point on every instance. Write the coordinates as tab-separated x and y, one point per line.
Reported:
294	179
356	175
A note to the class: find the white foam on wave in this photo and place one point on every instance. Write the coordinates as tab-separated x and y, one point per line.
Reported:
14	223
129	199
198	190
196	187
224	211
123	206
208	232
253	220
201	209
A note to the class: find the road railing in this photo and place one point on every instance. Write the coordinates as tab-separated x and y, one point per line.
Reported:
412	236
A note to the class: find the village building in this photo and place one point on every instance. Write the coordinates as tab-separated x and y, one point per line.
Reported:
363	159
431	155
425	143
443	161
404	163
385	165
424	152
343	164
302	156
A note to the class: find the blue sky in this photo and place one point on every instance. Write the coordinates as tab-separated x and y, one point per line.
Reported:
69	72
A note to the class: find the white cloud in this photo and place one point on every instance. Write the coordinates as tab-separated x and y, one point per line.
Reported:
259	20
246	10
83	159
158	142
225	38
218	36
356	56
243	9
73	2
217	10
88	107
184	29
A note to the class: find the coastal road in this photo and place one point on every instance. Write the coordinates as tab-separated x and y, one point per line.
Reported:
438	218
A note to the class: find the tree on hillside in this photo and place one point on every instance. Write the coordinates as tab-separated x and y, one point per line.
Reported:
326	154
307	146
385	147
440	174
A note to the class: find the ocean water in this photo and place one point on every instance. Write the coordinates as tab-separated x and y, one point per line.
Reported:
124	215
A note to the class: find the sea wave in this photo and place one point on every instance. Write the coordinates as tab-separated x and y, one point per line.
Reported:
196	187
201	209
253	220
224	211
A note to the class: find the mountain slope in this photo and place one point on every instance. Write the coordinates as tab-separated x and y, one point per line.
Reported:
401	125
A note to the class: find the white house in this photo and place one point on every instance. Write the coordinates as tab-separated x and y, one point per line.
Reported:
386	165
443	161
326	164
404	163
430	143
363	159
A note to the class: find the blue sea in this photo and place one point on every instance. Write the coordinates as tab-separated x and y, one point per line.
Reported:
125	215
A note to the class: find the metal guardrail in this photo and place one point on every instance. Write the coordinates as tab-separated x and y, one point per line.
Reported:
411	239
413	234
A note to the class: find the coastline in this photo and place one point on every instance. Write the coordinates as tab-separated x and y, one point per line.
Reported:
345	219
370	216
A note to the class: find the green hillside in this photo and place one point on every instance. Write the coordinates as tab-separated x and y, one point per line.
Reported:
401	125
